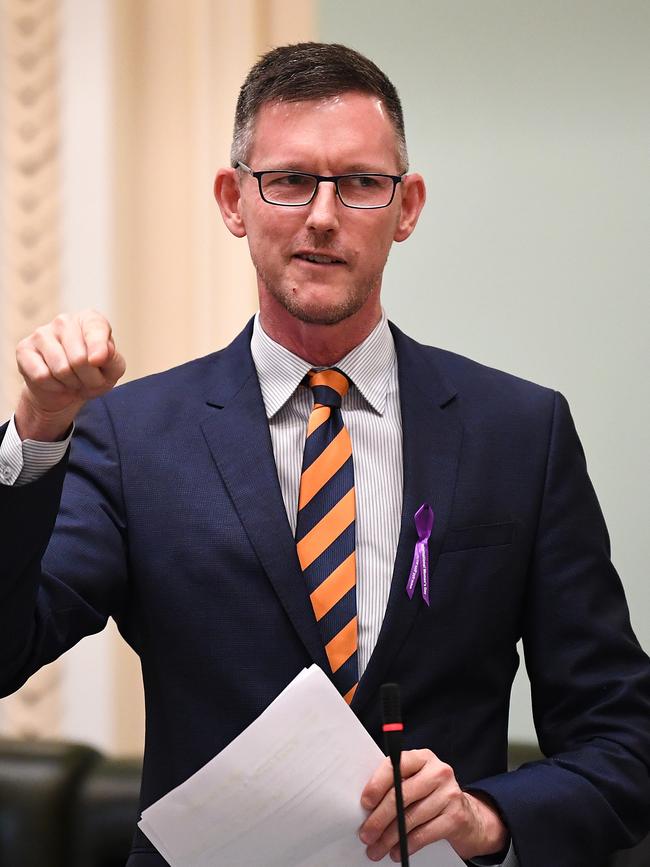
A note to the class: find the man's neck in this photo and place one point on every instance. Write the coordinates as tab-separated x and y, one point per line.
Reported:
320	345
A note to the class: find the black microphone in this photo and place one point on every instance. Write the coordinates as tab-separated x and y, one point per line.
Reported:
391	713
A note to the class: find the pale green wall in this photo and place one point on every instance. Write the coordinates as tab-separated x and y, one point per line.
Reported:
530	123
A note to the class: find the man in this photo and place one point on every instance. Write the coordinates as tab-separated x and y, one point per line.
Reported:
185	515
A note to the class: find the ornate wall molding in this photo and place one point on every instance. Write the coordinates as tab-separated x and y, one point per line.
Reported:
30	282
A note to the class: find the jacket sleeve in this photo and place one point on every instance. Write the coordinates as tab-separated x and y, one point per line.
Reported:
590	683
63	569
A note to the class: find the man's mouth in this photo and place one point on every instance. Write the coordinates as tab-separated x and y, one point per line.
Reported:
319	259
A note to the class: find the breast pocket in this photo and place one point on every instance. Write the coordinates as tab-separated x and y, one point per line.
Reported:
479	536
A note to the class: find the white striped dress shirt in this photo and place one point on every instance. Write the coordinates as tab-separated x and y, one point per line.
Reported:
371	413
25	461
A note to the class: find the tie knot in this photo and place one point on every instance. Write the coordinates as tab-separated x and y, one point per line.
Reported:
328	386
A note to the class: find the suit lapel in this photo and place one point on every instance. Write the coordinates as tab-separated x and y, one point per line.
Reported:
237	434
431	444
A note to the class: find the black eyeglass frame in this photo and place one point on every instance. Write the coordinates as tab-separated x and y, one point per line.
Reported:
333	179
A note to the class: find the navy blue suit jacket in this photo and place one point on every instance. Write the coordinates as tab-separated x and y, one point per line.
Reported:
171	520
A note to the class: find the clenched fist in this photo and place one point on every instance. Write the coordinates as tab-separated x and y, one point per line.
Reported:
64	364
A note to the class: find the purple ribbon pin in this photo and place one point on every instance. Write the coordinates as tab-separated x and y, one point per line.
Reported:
420	565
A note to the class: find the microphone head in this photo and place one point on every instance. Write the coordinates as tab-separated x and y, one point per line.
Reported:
391	710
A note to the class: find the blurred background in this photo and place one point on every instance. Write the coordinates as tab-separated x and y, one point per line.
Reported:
529	120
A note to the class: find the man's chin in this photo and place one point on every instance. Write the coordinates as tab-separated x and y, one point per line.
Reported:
319	316
322	307
322	313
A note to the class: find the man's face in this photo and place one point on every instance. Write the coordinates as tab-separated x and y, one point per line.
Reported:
343	134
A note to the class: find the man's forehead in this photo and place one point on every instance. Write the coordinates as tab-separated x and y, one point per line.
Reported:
349	125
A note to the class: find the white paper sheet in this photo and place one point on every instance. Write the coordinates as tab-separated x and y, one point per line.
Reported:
285	793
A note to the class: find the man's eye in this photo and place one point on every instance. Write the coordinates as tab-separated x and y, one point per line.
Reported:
290	181
368	182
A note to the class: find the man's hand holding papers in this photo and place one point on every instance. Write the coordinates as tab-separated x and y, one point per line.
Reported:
285	793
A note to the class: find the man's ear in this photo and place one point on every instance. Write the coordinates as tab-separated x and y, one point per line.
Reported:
414	195
228	196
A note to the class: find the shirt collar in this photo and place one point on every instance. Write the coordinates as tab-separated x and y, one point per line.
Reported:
368	365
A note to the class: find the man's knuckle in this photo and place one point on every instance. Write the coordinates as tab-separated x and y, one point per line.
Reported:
418	837
40	377
93	319
77	358
426	757
23	351
411	817
61	369
457	796
373	828
455	811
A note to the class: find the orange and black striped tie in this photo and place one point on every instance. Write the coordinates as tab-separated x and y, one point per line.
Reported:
325	530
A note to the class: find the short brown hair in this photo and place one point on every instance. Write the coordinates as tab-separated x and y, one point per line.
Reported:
311	70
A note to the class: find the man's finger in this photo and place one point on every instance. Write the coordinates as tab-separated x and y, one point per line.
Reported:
97	334
58	363
74	346
429	832
377	786
424	776
33	368
114	369
417	814
381	782
423	800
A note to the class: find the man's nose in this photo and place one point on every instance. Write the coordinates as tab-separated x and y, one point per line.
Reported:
323	212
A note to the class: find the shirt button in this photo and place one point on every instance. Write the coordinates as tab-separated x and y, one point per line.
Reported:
6	473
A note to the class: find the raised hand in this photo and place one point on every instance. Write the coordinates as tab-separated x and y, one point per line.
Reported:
64	364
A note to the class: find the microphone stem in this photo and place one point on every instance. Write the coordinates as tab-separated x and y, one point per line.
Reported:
401	824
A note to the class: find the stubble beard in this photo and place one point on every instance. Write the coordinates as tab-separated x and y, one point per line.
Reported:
288	296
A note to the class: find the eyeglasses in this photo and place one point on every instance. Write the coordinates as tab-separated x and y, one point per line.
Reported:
295	189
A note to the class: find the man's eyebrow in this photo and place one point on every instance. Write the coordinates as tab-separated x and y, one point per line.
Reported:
285	166
365	169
